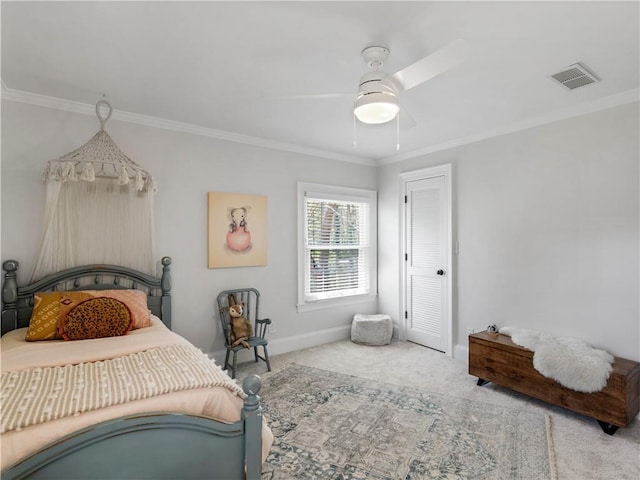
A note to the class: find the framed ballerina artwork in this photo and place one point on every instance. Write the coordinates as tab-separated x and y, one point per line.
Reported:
237	231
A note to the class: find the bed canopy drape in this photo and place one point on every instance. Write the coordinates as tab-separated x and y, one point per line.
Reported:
99	208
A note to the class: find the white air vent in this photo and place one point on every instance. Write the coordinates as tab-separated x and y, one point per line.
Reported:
575	76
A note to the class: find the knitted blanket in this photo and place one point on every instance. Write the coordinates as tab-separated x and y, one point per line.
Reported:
41	394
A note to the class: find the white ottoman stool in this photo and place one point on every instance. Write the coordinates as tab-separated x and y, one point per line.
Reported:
371	329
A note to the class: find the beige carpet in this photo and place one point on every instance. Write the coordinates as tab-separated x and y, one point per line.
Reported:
582	451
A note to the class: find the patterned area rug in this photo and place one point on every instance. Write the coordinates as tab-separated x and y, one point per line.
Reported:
333	426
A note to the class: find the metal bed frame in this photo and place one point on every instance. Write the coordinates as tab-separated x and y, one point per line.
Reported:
154	445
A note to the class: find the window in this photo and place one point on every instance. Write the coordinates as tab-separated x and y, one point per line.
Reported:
337	244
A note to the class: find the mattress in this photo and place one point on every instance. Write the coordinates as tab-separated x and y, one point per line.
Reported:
17	355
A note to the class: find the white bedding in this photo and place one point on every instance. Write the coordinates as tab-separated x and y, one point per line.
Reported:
219	403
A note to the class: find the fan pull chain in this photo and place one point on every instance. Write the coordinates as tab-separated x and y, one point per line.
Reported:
398	132
354	130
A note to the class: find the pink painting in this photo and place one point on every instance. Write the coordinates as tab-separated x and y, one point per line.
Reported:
237	230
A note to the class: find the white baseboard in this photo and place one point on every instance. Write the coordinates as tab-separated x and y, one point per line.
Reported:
297	342
279	346
461	354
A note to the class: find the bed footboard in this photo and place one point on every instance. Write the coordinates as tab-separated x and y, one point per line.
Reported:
156	446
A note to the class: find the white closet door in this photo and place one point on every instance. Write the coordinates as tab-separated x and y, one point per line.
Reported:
426	262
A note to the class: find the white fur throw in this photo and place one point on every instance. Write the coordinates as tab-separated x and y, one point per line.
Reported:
569	361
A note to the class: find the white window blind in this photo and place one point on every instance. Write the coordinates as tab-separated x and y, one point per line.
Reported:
338	251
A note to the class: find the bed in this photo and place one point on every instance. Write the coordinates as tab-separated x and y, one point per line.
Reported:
144	404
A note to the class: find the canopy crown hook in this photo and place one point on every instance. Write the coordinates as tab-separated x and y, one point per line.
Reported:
103	119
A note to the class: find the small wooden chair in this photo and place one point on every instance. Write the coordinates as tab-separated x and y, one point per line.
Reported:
250	297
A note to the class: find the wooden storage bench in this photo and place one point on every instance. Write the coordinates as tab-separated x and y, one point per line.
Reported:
495	358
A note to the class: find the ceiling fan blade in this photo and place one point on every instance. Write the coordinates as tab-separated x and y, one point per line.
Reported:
406	120
317	96
430	66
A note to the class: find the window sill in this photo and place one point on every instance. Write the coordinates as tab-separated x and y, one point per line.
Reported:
335	303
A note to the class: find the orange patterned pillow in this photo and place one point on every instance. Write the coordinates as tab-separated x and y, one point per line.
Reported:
44	317
96	318
50	308
135	300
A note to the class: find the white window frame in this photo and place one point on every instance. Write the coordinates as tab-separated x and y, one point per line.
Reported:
330	192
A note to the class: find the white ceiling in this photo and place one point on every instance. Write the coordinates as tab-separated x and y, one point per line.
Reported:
232	68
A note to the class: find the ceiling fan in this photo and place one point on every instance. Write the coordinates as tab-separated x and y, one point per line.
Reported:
377	101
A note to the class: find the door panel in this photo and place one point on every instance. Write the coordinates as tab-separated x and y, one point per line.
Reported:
426	262
425	251
426	308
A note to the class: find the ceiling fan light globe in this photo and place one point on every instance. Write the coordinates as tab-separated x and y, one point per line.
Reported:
376	108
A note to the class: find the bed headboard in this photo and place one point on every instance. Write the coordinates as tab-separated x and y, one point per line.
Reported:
17	301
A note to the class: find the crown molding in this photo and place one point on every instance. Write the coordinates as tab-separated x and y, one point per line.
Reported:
157	122
610	101
603	103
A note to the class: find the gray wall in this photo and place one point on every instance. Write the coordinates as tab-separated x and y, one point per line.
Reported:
186	167
547	221
547	224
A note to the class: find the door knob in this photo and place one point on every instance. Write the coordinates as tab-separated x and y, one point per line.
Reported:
440	272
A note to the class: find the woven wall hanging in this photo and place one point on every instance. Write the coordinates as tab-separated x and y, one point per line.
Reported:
100	157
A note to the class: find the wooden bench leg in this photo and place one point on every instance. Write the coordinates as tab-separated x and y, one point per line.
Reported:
608	428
